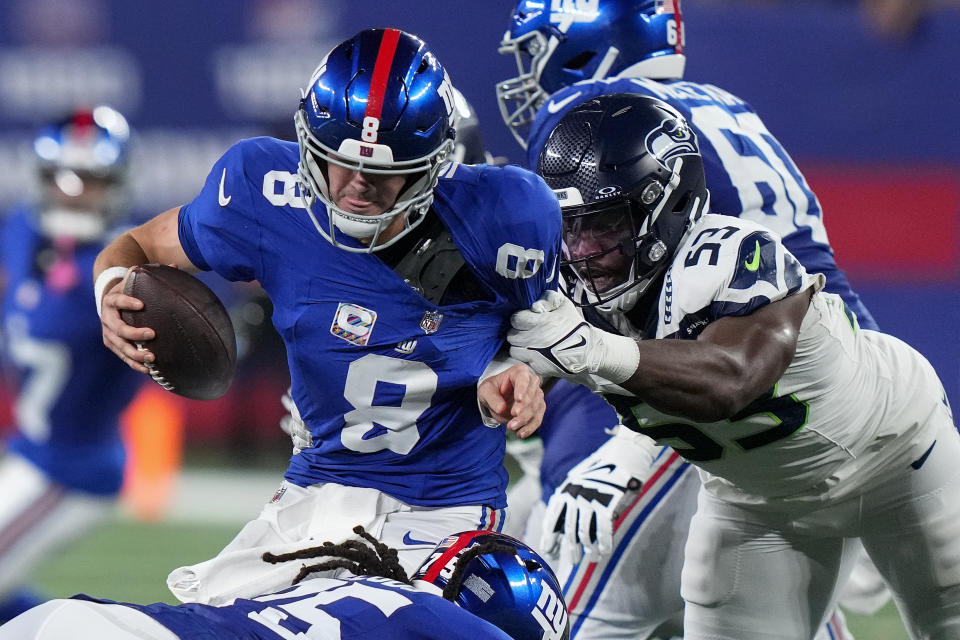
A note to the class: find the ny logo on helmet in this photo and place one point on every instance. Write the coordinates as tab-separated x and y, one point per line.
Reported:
673	138
570	11
550	613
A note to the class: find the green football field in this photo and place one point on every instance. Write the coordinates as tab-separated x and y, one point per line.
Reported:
130	560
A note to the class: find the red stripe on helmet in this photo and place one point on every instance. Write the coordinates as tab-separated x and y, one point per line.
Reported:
463	541
381	72
679	18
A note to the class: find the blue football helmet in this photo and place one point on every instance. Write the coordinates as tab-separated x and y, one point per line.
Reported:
499	579
629	176
379	103
82	163
576	40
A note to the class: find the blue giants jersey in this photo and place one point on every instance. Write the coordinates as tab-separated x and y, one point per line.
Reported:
333	609
70	388
576	423
384	379
748	172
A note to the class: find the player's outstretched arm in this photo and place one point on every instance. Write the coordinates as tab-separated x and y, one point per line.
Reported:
155	241
733	362
514	397
728	366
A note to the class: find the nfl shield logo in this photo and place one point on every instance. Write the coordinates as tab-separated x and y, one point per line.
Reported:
431	321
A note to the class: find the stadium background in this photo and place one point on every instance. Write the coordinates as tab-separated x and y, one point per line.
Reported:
867	117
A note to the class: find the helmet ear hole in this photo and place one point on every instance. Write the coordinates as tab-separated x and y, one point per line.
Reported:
579	61
681	205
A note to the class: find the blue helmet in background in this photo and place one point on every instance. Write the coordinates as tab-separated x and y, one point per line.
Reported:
559	43
82	163
501	580
379	102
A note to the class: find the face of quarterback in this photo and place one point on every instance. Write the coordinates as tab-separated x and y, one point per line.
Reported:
367	194
594	244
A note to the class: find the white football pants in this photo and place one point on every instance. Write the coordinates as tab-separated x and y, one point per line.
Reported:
301	517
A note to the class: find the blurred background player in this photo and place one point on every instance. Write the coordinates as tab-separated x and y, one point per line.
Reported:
63	464
392	281
565	57
474	585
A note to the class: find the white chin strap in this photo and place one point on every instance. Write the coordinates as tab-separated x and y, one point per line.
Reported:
358	228
355	228
85	226
623	302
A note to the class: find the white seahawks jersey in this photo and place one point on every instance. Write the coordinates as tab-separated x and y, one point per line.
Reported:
850	401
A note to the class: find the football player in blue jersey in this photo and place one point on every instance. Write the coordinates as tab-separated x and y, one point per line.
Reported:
566	55
64	460
392	273
708	336
576	51
474	585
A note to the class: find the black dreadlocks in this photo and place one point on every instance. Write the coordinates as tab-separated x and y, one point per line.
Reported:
452	589
377	559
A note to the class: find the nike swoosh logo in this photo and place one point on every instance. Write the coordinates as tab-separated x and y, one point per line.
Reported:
916	464
224	200
553	107
754	264
407	540
582	342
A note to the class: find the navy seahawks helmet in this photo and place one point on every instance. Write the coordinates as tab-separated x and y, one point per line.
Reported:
576	40
468	145
499	579
82	163
629	176
379	103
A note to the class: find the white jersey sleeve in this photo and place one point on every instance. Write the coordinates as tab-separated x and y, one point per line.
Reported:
850	403
726	267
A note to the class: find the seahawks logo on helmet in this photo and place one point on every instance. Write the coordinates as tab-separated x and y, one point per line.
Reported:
673	138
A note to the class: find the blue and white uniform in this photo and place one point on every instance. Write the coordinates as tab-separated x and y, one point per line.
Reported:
749	174
384	379
64	461
353	608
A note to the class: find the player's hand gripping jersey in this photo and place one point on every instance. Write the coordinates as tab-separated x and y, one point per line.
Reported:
384	378
804	440
749	174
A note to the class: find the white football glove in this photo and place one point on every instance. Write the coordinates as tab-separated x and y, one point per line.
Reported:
294	426
554	339
582	510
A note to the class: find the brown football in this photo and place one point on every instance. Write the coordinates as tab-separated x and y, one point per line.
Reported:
195	348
